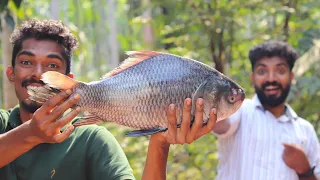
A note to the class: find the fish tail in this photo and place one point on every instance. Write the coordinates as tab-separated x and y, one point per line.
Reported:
55	83
58	81
41	94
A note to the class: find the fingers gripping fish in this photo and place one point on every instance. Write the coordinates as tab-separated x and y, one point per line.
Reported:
137	93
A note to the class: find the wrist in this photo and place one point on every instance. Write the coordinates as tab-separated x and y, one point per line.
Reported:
29	138
303	170
306	173
159	142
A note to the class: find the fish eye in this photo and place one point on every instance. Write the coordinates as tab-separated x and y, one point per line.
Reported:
231	99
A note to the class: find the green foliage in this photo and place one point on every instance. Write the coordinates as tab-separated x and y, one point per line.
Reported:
4	9
3	4
212	32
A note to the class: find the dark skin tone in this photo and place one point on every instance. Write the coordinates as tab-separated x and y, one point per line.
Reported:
43	126
277	69
155	166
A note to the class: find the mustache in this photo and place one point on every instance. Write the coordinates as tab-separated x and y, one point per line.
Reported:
26	82
273	83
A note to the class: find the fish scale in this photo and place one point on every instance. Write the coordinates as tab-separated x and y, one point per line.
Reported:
142	89
137	93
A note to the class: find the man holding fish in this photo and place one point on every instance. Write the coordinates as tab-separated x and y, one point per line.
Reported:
265	139
37	140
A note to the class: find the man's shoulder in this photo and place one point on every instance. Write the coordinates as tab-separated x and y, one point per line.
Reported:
4	114
92	132
89	129
304	123
4	118
247	104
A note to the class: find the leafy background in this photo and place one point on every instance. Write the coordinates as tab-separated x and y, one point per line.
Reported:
219	33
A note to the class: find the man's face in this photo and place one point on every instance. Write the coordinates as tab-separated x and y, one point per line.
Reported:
34	58
271	78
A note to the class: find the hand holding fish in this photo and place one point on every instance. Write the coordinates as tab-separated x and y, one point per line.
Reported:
159	144
186	134
45	124
137	93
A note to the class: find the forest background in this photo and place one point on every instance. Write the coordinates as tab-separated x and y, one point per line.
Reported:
217	32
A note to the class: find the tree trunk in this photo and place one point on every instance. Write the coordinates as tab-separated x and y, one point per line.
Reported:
113	42
147	29
9	96
55	9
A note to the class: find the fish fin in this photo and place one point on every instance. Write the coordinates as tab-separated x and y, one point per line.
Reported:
197	94
42	93
57	80
135	57
145	132
54	83
87	120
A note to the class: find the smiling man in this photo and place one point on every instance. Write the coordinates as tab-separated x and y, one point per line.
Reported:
38	141
265	139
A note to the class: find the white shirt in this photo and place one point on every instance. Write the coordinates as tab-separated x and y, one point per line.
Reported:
252	147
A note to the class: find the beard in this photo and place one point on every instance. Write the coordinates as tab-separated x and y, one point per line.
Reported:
272	100
30	107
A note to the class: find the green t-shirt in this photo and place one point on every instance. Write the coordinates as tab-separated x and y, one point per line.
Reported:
90	153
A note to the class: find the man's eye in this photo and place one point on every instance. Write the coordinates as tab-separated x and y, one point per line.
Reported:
261	71
53	66
25	62
281	71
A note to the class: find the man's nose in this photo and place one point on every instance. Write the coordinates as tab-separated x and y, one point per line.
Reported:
38	71
272	77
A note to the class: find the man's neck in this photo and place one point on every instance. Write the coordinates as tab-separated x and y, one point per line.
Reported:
277	111
24	115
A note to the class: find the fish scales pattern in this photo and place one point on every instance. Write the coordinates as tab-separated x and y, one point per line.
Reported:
139	96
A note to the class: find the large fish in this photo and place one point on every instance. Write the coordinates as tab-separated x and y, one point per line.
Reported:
138	92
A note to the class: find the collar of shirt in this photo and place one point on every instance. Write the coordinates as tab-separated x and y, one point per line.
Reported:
289	115
14	118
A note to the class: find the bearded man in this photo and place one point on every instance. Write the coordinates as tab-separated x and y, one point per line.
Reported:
265	139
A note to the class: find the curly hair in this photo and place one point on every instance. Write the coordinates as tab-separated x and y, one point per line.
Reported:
45	29
273	48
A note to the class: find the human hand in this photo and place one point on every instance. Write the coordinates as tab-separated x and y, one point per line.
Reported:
186	134
47	121
295	158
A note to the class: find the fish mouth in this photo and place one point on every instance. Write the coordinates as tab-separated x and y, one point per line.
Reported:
242	94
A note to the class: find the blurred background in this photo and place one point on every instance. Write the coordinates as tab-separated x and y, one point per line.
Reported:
216	32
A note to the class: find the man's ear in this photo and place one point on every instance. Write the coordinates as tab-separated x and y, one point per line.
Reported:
71	75
291	76
10	73
251	77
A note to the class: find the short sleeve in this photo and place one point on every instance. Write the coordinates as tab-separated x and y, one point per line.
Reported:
4	117
233	121
106	158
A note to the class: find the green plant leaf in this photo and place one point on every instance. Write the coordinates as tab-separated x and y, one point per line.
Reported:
17	3
3	5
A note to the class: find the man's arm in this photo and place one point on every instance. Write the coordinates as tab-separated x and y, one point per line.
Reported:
296	159
42	128
156	163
